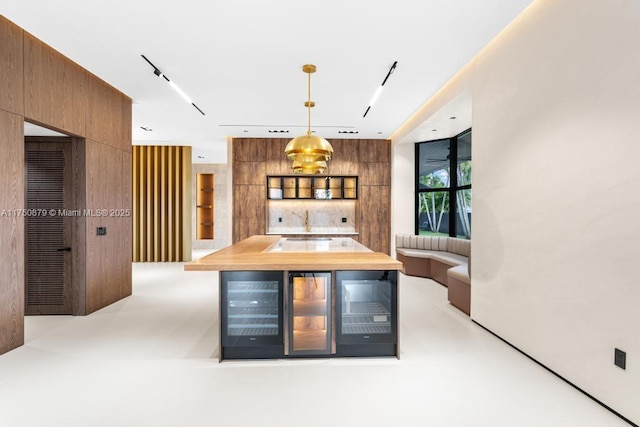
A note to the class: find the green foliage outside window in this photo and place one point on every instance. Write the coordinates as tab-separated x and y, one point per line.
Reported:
434	188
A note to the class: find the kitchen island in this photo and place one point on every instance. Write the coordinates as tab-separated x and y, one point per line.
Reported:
304	297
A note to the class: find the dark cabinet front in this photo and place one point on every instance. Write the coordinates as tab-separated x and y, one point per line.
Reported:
322	314
251	314
366	318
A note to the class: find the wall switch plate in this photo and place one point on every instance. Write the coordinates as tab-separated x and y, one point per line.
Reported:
620	358
101	231
344	219
279	219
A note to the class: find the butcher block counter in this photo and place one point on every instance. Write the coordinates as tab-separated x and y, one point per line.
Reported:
263	253
292	297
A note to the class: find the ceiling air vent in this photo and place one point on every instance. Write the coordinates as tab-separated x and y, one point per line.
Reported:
278	131
351	132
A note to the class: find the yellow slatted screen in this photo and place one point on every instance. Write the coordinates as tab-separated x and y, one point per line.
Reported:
161	203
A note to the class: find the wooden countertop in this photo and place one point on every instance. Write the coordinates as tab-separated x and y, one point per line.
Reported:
251	254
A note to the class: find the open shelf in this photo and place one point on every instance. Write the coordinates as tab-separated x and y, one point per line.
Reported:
366	318
204	206
310	340
317	187
310	307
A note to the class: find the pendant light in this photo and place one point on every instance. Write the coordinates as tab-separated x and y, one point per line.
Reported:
318	166
309	152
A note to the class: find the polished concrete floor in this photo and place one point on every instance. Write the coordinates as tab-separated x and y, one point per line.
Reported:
151	360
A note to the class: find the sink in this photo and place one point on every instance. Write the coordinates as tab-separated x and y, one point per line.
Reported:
313	239
317	244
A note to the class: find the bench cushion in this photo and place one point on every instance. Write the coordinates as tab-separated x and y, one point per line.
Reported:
448	258
416	253
460	273
459	246
443	257
434	243
411	241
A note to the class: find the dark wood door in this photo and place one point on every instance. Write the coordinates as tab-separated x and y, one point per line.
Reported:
47	228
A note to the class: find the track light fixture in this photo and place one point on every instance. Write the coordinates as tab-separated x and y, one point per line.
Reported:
378	92
174	86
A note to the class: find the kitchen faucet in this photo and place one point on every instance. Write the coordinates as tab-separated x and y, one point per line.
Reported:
307	226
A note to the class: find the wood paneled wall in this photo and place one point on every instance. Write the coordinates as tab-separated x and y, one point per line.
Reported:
42	86
255	158
11	68
107	190
55	88
161	203
12	232
374	196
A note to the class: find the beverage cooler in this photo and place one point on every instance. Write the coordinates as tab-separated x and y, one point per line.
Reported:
310	317
366	313
251	313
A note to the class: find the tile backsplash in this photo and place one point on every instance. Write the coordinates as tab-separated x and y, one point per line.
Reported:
325	217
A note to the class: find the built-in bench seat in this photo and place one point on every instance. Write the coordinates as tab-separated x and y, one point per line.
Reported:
459	287
443	259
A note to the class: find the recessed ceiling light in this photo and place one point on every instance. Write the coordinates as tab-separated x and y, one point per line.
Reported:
201	157
452	118
245	131
379	133
434	130
146	128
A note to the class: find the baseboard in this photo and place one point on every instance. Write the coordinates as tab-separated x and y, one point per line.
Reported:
559	376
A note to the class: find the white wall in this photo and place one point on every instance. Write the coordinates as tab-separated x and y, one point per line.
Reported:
402	191
556	192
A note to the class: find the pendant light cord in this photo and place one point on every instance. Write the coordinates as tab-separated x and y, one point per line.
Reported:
309	104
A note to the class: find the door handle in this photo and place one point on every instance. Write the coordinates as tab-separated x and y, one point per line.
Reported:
64	249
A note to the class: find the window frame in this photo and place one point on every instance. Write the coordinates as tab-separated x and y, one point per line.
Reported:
453	182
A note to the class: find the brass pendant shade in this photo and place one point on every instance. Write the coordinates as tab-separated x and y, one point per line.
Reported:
319	166
309	152
309	148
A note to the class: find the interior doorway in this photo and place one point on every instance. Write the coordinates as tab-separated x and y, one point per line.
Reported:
47	227
54	225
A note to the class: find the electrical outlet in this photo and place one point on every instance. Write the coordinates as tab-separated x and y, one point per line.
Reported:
101	231
344	219
279	219
620	358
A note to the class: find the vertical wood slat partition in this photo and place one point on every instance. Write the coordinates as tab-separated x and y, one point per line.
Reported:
170	203
161	203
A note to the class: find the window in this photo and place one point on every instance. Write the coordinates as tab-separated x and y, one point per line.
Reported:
443	186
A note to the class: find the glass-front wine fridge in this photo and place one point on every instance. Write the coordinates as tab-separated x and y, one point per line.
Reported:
251	314
366	318
310	313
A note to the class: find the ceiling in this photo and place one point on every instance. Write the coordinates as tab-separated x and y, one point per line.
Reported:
241	61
